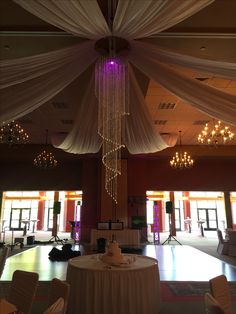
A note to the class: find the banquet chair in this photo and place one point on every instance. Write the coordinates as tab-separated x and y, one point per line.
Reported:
56	308
219	288
227	233
59	289
211	305
4	252
22	290
223	245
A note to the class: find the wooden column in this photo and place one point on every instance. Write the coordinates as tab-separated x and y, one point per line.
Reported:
228	210
172	216
41	212
54	227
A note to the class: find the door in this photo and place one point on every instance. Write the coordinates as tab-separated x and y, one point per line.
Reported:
16	217
209	215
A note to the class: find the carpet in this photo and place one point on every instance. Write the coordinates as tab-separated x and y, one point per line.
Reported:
181	290
187	297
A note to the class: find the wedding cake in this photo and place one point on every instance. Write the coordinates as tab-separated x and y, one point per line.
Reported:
112	254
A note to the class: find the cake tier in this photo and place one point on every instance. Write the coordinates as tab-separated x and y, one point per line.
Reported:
112	259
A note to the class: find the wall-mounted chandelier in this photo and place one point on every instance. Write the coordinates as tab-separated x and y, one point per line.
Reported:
181	159
216	135
45	160
12	133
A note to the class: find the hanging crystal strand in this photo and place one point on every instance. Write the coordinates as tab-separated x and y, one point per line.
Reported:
111	85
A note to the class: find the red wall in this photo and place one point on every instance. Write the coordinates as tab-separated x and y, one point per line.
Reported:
206	175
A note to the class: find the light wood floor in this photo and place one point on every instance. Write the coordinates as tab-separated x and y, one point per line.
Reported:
176	263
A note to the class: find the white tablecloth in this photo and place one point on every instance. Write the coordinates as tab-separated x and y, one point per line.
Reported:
100	289
123	237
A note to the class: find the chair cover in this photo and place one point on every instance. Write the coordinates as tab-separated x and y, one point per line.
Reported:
220	290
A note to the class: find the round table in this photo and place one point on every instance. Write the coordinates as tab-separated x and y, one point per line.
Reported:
97	288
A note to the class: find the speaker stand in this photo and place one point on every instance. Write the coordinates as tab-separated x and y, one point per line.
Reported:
56	239
170	237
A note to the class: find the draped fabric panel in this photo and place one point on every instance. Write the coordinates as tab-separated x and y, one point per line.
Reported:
140	135
207	99
219	68
83	137
138	18
81	18
20	70
24	96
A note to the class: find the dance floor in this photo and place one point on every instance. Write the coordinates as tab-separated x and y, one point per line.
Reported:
176	263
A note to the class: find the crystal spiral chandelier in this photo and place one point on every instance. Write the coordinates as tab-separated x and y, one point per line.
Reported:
12	133
45	160
181	159
112	91
216	135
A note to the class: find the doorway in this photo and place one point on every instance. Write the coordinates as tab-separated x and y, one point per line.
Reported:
209	215
16	217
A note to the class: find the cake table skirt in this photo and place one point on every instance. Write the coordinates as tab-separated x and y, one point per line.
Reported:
97	289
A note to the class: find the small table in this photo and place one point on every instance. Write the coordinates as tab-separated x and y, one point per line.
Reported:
124	237
6	307
34	222
99	288
26	223
200	223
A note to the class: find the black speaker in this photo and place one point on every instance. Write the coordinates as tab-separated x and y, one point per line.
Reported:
169	207
56	207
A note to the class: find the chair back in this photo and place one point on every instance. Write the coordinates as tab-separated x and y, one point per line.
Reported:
4	252
59	289
220	236
219	288
23	289
56	308
211	305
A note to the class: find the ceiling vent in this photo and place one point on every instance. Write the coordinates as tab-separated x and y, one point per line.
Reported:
160	122
67	121
59	105
200	122
166	105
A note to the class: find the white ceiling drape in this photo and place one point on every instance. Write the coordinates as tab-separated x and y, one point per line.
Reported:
81	18
31	81
27	83
208	99
140	136
83	137
214	67
136	19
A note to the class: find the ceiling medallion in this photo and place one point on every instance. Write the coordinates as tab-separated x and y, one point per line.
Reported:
217	135
12	133
181	160
45	160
